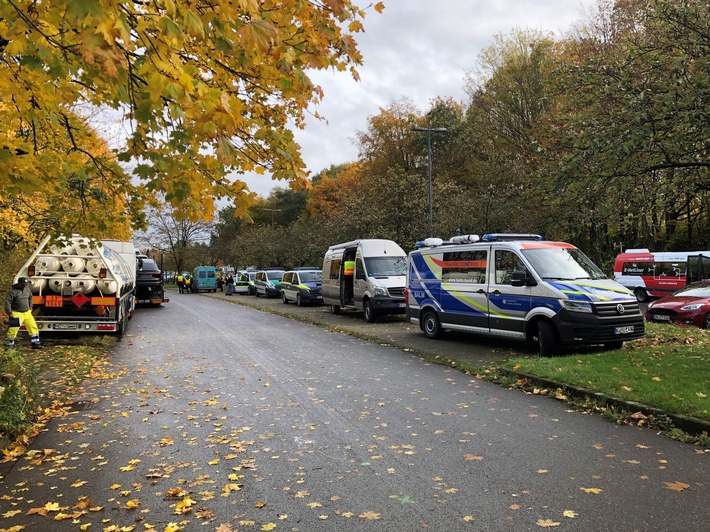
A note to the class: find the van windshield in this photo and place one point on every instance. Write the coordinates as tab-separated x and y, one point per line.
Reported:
565	264
386	266
311	277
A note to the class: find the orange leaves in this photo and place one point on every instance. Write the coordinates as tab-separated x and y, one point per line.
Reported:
677	486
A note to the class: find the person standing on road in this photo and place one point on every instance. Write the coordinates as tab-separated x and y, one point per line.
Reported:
180	283
230	284
18	304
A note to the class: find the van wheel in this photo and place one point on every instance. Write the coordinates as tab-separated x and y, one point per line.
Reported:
335	309
546	342
285	299
299	303
431	325
641	295
370	316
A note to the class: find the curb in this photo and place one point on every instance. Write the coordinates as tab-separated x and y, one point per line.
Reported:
691	425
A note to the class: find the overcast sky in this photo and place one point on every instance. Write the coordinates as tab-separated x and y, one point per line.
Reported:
419	49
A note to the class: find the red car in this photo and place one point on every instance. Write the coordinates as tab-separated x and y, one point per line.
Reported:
687	306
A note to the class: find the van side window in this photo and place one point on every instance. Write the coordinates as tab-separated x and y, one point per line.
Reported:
506	263
465	266
334	269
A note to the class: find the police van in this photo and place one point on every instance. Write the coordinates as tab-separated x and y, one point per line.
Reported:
549	294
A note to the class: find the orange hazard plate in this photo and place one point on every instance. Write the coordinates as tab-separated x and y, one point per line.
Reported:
53	301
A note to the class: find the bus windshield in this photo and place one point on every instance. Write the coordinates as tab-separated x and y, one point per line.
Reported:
386	266
564	264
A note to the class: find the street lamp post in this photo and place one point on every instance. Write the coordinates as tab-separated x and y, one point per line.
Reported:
429	131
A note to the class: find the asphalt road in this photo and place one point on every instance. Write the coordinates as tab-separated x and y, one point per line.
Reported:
212	414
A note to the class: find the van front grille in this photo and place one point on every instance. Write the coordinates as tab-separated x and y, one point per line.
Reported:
607	309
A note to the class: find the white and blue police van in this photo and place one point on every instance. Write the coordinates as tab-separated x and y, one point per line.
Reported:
549	294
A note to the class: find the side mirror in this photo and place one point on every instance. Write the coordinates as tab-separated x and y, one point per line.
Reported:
521	278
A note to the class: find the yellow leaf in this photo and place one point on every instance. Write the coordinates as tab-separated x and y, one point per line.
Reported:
570	513
547	523
468	518
268	526
12	513
657	379
370	516
596	491
172	527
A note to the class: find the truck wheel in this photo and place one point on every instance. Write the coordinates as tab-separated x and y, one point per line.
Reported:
431	325
641	295
546	342
370	316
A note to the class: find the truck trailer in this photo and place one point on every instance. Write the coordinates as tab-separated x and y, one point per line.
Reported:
79	285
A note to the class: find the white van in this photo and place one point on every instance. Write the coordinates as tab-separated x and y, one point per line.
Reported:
519	286
376	283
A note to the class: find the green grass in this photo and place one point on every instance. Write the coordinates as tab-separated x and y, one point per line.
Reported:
669	369
32	382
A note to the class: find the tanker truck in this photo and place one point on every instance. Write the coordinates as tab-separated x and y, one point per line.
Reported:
82	286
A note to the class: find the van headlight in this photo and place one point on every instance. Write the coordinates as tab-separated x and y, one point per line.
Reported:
379	291
578	306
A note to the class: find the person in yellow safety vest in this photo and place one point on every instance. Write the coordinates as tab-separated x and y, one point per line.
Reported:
180	283
349	277
188	282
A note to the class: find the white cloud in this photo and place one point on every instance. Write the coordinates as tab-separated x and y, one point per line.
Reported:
419	49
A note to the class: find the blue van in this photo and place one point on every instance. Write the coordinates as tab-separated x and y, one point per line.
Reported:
518	286
204	278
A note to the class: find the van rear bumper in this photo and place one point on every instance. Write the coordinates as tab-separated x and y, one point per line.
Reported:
579	328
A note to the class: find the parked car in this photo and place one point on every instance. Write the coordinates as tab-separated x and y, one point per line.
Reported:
149	282
251	277
688	306
302	285
241	283
268	283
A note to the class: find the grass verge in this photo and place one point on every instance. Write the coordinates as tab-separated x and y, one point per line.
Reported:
35	384
668	370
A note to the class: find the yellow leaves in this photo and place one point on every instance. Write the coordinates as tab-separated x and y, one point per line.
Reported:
184	506
676	486
229	488
369	516
596	491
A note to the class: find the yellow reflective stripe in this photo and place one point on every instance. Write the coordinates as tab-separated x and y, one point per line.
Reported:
466	299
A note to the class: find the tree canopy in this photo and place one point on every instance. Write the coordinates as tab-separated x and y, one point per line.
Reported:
203	90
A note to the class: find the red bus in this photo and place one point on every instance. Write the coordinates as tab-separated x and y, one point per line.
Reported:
650	274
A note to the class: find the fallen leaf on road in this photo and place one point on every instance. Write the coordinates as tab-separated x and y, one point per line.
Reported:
676	486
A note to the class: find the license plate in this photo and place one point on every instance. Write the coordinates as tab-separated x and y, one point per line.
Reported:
400	305
624	330
65	326
660	317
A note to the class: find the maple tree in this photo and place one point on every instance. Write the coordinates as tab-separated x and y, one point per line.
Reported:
203	89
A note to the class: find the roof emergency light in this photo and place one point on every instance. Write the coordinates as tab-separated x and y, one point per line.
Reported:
465	239
507	237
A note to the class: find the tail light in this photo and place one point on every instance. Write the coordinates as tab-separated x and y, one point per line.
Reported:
31	270
102	273
406	296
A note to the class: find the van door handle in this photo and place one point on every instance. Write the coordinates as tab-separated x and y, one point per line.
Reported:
481	291
496	292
